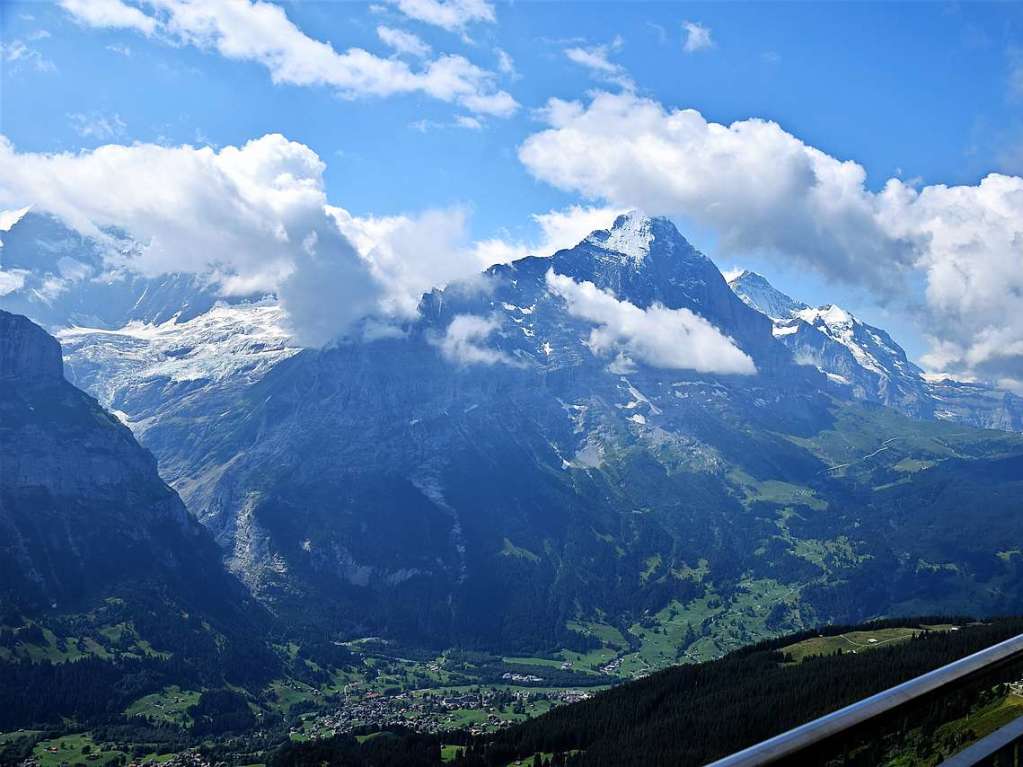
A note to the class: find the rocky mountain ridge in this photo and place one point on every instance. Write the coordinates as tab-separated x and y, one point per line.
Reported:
84	514
867	362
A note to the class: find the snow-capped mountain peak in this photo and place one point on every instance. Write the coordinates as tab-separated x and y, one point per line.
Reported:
865	343
630	235
756	292
850	352
832	315
8	218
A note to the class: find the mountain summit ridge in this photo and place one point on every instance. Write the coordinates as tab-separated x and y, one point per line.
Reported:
870	364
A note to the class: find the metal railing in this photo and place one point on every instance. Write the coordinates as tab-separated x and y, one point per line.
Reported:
1002	748
789	745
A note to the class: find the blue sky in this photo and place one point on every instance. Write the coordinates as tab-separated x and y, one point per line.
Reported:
929	93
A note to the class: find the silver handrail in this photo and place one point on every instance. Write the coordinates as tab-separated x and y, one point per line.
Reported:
987	747
795	740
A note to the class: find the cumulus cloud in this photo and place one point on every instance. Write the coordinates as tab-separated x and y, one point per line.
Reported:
251	216
464	339
110	14
254	218
191	208
452	15
252	30
657	336
969	245
411	254
763	190
760	187
597	59
696	37
404	42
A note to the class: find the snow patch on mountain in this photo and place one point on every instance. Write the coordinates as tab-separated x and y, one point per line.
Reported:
245	339
131	369
630	236
9	218
869	364
841	326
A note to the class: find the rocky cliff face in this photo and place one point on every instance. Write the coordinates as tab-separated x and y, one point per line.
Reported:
83	512
27	352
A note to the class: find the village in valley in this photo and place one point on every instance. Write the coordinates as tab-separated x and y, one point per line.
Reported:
477	710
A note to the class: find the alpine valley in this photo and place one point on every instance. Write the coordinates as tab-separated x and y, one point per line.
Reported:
463	520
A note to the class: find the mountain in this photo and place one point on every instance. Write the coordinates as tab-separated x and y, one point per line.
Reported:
975	404
866	360
538	462
172	381
99	559
514	471
756	292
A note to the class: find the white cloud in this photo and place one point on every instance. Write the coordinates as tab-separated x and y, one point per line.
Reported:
254	217
567	228
452	15
110	14
597	60
465	122
98	126
247	30
412	254
969	246
120	50
404	42
657	336
697	37
193	209
763	190
463	339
